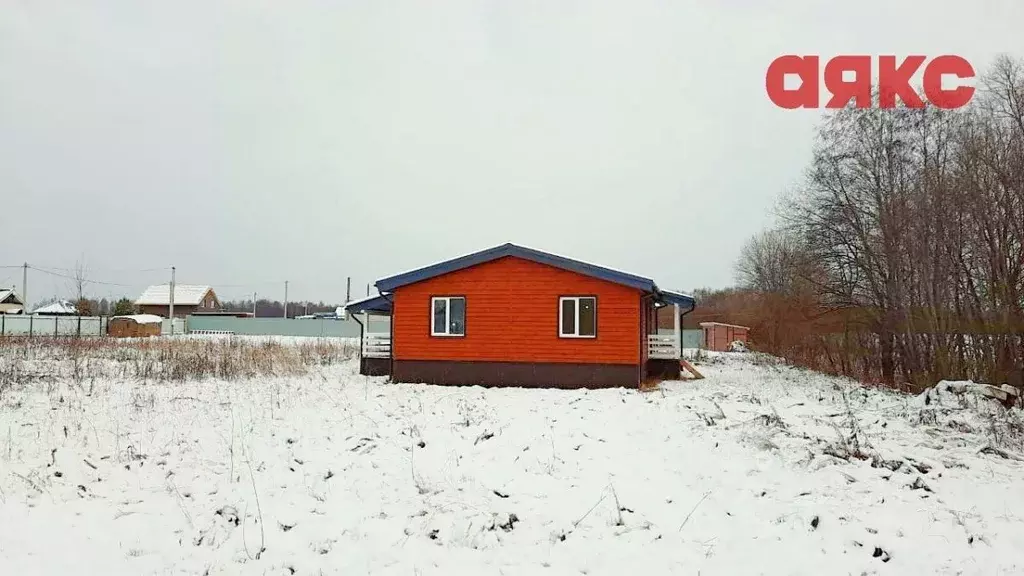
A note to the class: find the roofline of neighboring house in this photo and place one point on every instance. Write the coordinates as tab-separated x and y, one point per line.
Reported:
209	289
706	324
8	292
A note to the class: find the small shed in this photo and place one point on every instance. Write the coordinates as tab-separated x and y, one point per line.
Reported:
718	336
134	326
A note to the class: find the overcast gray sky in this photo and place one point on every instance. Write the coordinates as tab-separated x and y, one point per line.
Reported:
252	142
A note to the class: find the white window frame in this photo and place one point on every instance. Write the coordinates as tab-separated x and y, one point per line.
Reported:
576	324
447	316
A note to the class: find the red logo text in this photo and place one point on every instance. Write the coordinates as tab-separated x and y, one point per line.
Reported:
893	81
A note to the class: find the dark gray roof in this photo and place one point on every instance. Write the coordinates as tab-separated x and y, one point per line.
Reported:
638	282
670	297
373	304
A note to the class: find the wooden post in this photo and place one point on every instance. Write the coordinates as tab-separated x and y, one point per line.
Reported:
170	300
30	317
675	329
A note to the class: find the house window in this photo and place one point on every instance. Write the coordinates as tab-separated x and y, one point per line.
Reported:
577	317
448	315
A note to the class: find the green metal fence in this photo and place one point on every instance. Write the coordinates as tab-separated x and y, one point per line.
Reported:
314	327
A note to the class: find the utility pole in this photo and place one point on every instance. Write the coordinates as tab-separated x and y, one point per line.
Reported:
253	304
367	289
170	302
285	298
24	288
348	289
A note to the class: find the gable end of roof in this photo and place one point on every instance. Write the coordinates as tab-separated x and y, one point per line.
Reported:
491	254
10	297
184	294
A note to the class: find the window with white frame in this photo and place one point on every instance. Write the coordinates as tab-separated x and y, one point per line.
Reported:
448	316
577	317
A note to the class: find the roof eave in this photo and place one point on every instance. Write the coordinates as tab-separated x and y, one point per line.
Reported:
669	297
379	304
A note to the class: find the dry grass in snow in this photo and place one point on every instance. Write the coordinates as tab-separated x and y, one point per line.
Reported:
26	360
758	469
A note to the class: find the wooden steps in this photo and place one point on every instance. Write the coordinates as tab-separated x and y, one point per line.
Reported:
689	368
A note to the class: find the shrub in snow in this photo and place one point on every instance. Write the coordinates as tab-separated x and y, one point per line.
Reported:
738	346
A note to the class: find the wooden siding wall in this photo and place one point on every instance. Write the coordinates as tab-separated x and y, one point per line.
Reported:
648	323
127	328
163	310
512	316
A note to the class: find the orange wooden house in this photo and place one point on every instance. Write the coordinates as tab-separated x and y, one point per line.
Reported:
513	316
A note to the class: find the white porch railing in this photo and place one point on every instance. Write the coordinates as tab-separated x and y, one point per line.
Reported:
376	346
664	347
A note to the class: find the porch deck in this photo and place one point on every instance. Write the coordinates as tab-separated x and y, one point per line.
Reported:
659	346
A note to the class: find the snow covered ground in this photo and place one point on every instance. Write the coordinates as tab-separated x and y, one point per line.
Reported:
757	469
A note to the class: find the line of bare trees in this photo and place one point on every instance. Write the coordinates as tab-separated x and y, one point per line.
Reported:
900	258
275	309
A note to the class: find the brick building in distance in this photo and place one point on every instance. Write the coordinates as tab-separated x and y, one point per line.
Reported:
188	299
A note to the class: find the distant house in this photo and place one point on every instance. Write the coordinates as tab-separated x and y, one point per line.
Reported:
11	302
188	299
58	308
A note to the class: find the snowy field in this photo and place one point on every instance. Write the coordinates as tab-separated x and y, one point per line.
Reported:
757	469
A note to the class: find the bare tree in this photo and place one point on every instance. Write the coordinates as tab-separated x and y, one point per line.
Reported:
913	220
79	279
773	262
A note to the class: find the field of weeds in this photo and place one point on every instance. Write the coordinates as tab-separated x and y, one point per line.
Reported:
311	468
25	361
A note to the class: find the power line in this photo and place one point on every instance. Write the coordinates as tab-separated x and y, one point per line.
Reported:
83	280
54	272
110	270
80	275
250	285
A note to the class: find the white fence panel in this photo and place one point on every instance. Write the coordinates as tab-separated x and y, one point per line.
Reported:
663	347
376	346
179	327
63	326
